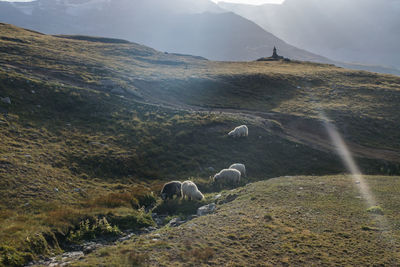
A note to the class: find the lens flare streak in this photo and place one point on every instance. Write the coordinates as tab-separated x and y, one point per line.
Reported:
348	161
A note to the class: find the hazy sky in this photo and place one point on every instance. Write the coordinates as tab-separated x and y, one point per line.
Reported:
251	2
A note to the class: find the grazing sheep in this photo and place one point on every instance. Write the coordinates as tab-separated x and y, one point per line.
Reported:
170	189
240	167
239	131
190	190
227	176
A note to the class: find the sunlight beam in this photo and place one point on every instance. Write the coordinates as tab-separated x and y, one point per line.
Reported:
348	160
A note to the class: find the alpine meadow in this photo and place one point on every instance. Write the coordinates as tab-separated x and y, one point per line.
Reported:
91	128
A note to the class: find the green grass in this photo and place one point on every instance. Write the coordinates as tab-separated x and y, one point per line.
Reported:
297	221
71	149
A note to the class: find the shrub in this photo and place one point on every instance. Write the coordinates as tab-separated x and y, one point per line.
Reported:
11	257
147	199
88	230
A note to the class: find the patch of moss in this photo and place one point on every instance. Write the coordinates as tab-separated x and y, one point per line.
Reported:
134	221
376	210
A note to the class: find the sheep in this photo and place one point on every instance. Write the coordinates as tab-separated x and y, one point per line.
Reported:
170	189
240	167
190	190
227	176
239	131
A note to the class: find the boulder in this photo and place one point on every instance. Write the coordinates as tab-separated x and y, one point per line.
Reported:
6	100
176	222
217	196
207	209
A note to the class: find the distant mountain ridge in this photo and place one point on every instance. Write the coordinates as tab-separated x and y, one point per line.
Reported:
197	27
191	27
365	31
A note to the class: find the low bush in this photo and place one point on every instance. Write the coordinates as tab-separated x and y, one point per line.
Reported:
11	257
90	230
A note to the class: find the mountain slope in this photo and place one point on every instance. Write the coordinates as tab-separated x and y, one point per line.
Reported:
97	125
346	31
287	221
189	27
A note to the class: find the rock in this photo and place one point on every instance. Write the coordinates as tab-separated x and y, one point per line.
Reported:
90	247
207	209
150	229
6	100
176	222
126	237
158	221
217	196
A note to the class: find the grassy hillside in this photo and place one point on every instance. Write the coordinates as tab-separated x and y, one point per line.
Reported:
96	125
287	221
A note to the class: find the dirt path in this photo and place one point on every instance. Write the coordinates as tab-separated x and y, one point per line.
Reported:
310	132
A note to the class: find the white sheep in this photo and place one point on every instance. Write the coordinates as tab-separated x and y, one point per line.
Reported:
227	176
240	167
190	190
239	131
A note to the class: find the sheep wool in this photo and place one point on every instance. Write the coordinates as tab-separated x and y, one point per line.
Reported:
227	176
240	167
240	131
190	190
